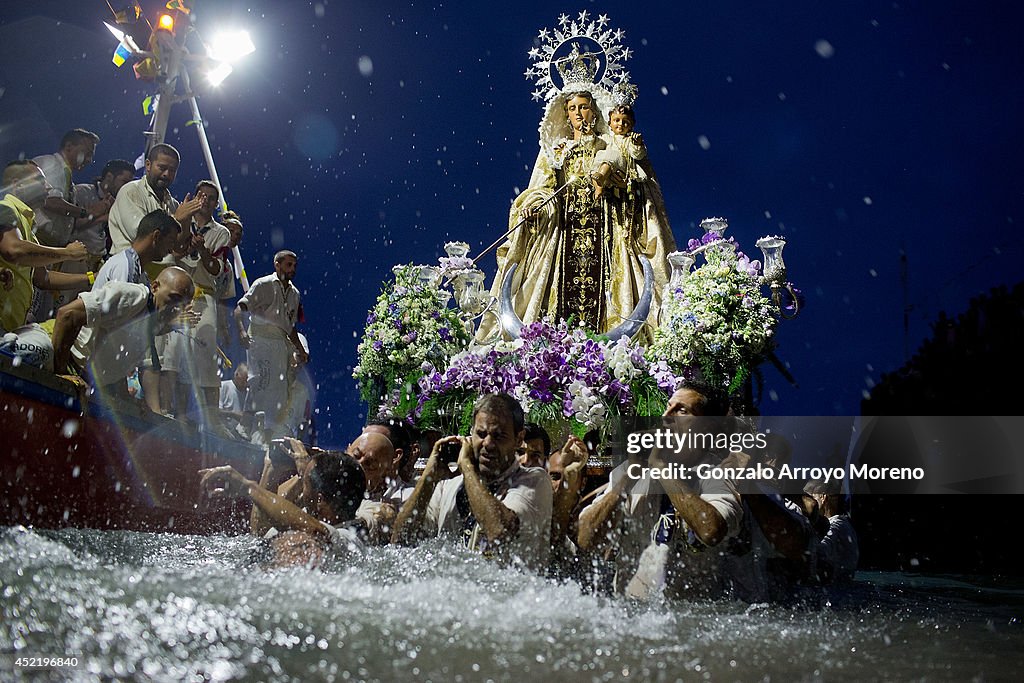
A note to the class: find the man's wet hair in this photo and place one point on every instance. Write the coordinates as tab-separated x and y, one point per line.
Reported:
284	252
162	148
116	167
716	401
157	220
340	480
77	135
501	405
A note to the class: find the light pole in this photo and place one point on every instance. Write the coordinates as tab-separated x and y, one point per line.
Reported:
167	62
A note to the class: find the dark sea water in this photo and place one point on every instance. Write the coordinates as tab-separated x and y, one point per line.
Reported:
175	608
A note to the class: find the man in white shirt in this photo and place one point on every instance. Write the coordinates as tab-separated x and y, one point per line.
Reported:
114	328
667	536
56	218
195	355
385	492
151	192
494	505
232	397
133	202
273	304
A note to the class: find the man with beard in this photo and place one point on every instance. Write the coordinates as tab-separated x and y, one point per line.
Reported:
273	304
149	193
97	198
493	505
134	201
666	536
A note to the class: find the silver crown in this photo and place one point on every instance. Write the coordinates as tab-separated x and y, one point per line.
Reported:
624	93
578	69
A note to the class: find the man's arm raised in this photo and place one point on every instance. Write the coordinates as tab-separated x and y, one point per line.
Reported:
227	482
411	518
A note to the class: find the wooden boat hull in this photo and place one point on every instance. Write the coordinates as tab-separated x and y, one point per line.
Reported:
69	464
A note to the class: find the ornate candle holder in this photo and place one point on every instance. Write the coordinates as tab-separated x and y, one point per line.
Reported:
774	275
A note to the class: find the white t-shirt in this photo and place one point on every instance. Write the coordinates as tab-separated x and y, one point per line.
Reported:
273	305
215	237
644	567
134	201
54	229
124	266
760	574
231	399
527	492
115	338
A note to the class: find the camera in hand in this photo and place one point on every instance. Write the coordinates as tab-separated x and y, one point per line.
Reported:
449	452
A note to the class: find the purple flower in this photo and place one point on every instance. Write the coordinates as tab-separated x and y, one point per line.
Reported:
378	345
445	334
371	319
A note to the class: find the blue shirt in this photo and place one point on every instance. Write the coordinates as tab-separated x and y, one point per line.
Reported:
124	266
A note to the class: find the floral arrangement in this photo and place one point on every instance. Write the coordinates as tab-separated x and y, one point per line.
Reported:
410	325
561	375
716	318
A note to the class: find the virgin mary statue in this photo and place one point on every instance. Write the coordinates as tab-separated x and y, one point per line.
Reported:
578	253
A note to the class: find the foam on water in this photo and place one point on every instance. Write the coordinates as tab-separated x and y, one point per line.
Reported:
168	607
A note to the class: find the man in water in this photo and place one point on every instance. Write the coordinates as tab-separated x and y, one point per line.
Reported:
536	447
309	510
493	505
665	538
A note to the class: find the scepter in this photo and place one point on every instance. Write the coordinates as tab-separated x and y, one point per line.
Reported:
572	180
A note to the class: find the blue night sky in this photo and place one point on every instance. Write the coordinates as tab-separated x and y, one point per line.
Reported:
900	131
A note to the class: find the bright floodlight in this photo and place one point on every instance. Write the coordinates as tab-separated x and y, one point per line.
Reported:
218	73
230	46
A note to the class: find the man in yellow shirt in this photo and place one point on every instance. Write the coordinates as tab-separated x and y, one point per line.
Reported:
23	264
